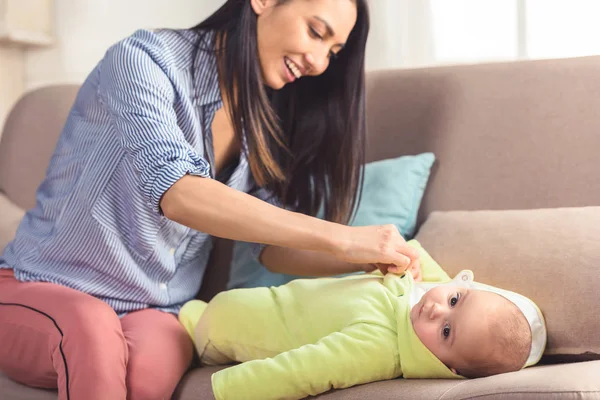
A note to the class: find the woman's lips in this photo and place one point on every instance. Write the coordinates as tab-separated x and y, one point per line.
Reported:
288	74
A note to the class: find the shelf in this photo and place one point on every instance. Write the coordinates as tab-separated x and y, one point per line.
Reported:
26	23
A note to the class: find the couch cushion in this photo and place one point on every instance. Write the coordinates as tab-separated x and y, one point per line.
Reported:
28	140
549	255
548	382
10	217
11	390
567	381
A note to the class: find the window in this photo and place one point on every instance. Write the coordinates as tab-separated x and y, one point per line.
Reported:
474	30
498	30
562	28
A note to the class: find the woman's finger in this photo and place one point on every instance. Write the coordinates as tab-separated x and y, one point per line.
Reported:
404	262
400	263
408	251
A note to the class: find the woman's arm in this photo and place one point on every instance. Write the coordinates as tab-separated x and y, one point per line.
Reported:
212	207
286	260
312	263
209	206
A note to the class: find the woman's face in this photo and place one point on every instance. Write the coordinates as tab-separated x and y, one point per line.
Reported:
299	37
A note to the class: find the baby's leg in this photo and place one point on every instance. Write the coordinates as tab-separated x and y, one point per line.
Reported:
242	325
190	314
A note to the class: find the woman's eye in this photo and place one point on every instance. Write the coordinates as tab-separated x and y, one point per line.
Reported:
454	300
315	34
446	331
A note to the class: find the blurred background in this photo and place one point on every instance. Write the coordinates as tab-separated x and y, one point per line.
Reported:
44	42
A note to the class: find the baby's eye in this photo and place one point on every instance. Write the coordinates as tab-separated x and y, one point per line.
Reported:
454	300
446	331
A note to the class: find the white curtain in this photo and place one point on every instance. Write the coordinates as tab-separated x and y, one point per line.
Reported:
414	33
401	34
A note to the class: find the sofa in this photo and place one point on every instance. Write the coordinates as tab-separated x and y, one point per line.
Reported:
511	196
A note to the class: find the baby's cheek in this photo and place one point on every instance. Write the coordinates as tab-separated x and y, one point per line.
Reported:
418	327
425	334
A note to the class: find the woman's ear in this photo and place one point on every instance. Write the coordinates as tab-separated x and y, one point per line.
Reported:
259	6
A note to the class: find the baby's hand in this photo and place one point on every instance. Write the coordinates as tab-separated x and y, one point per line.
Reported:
415	269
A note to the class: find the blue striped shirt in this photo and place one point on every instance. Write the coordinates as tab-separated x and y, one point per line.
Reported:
141	121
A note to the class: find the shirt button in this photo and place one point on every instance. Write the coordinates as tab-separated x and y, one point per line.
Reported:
163	286
172	251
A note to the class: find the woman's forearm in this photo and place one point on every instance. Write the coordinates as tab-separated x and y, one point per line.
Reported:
212	207
307	263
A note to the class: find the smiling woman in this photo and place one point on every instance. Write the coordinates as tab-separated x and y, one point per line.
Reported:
178	136
300	33
311	132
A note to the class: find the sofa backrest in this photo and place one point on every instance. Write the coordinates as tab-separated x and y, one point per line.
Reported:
516	135
506	135
28	139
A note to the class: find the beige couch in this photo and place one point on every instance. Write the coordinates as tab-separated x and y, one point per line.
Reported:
507	136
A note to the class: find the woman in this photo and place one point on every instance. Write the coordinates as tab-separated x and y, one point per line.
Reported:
176	137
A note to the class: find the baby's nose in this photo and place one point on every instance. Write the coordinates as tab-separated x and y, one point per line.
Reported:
435	311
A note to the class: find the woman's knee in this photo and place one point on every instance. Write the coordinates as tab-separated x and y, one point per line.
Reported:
24	355
152	377
94	326
160	352
42	341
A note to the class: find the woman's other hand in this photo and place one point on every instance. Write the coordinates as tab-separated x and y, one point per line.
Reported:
378	245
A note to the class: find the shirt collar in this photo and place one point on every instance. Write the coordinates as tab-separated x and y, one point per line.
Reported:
206	74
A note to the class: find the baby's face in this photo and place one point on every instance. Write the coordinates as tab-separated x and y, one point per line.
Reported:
453	323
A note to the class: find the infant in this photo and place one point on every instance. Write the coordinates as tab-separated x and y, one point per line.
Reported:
474	332
312	335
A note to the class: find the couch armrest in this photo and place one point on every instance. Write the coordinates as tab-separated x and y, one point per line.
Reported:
10	217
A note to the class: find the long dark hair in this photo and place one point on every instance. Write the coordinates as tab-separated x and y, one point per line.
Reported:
306	142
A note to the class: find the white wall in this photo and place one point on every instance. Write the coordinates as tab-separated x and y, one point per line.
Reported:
86	28
400	34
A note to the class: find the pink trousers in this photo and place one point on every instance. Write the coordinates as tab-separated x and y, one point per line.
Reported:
55	337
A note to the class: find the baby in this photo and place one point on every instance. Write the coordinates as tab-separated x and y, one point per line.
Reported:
312	335
475	333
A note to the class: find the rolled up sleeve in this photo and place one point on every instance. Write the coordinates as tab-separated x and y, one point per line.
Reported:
136	87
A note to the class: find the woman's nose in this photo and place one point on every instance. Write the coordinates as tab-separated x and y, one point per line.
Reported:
317	63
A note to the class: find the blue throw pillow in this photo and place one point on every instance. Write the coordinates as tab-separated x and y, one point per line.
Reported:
392	194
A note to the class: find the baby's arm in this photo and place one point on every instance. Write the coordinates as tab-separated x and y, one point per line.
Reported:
358	354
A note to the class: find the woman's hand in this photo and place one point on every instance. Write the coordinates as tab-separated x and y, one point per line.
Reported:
378	245
414	269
